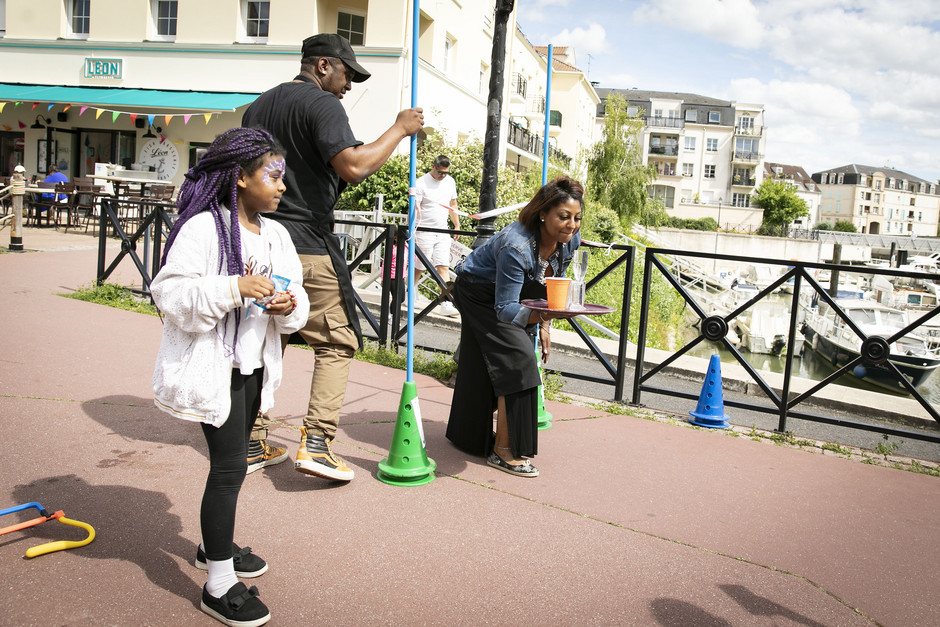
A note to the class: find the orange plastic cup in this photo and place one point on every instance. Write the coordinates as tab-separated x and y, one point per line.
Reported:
557	288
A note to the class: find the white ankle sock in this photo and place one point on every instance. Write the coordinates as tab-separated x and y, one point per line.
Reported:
221	576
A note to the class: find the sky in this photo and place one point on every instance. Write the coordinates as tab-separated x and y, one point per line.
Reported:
841	81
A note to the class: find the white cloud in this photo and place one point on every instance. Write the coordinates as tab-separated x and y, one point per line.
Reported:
590	40
732	21
531	12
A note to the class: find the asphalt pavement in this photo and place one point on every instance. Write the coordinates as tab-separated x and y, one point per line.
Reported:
632	521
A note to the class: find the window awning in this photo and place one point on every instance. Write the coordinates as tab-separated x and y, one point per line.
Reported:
120	98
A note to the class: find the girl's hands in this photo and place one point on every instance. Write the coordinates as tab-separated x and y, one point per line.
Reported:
280	305
255	286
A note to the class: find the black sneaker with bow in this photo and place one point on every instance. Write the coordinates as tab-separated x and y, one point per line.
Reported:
247	564
239	607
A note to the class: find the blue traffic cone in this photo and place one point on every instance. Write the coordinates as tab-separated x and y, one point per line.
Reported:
544	418
710	411
407	462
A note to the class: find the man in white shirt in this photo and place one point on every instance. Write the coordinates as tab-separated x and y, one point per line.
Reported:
437	198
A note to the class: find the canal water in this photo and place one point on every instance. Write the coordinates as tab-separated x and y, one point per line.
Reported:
809	365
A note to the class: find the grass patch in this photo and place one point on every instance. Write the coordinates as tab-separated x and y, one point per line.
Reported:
552	384
835	448
115	296
437	365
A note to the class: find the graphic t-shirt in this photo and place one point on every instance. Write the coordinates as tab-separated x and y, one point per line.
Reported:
256	255
433	194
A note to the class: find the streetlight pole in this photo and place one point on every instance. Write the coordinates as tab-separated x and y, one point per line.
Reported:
486	227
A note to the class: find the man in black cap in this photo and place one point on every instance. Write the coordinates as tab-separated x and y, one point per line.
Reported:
323	155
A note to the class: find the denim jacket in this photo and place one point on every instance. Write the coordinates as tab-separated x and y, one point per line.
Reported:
509	259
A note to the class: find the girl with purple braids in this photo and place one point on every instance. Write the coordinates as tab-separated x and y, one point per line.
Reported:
220	357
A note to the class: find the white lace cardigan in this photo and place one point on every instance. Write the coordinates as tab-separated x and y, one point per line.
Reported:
193	373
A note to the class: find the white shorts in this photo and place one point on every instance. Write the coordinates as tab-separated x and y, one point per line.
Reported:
435	246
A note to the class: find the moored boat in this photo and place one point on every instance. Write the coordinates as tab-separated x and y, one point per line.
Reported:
827	334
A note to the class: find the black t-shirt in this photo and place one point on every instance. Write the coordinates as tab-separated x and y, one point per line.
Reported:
313	127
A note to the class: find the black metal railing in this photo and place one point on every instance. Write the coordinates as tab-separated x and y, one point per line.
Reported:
518	85
153	221
714	328
532	143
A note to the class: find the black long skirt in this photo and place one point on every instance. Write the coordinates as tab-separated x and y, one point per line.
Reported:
496	359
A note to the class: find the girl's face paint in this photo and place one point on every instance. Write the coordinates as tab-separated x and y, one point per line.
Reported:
261	192
273	171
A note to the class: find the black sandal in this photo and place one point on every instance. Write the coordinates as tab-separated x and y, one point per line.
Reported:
525	469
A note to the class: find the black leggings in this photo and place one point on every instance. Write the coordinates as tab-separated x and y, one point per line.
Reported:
228	464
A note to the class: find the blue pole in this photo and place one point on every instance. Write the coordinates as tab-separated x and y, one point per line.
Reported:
412	179
548	111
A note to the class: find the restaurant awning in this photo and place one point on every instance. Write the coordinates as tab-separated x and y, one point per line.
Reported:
117	98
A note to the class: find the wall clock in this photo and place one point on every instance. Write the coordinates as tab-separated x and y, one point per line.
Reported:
163	156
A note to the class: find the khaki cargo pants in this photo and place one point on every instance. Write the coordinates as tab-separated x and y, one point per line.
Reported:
334	343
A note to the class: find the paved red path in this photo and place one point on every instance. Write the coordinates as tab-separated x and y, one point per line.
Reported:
632	522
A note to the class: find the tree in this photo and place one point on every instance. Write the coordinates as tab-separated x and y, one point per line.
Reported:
466	166
617	177
845	226
780	203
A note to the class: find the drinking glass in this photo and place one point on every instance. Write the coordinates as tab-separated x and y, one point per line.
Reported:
576	293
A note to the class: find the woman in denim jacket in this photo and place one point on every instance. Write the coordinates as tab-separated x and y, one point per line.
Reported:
498	369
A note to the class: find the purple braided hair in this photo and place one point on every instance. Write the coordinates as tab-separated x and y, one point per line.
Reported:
213	182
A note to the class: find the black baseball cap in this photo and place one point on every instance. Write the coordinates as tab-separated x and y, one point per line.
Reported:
337	46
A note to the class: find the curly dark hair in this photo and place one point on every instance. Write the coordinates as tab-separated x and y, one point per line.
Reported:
553	193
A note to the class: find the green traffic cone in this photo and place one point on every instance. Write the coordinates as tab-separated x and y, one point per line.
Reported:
407	462
544	418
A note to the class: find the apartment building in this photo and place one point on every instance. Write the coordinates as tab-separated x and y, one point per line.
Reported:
707	152
97	82
879	200
571	107
805	187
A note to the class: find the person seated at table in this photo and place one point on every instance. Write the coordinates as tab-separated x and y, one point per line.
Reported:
497	367
54	176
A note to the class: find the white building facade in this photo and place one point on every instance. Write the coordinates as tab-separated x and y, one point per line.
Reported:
92	82
879	200
708	153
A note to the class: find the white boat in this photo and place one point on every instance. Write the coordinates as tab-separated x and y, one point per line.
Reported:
827	334
764	328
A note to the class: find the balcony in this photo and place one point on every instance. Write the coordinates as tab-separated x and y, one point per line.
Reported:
535	109
664	151
742	181
666	172
517	88
675	123
532	144
554	123
749	131
744	156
